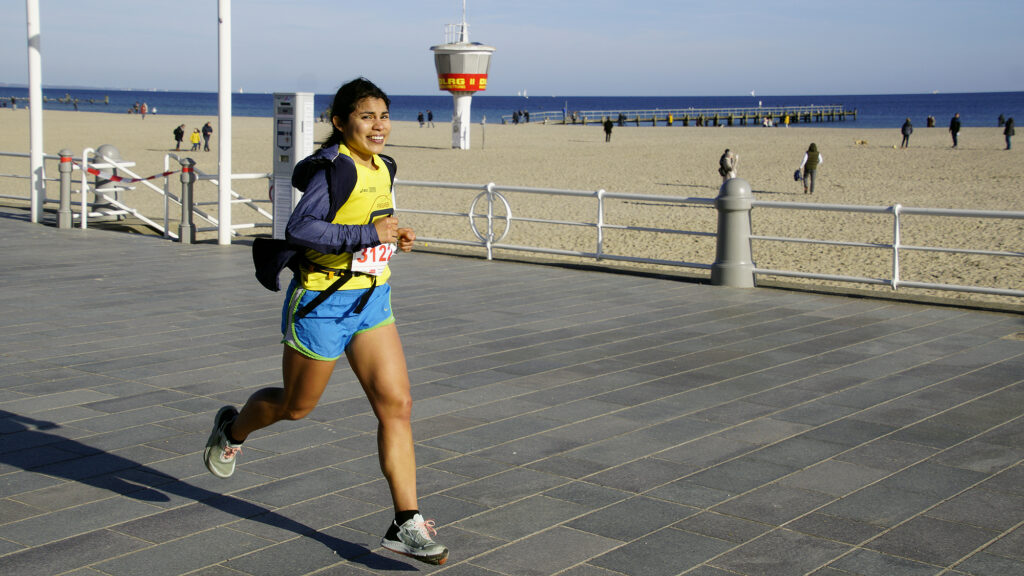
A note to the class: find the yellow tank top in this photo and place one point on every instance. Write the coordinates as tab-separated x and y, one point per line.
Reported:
369	201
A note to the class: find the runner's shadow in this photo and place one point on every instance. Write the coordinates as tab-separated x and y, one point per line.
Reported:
30	445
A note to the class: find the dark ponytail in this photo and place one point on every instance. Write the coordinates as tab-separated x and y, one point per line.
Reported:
345	103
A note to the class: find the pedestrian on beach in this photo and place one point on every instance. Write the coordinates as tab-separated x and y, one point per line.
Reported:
419	117
907	129
195	139
812	159
339	304
430	118
727	165
143	109
1001	121
207	131
954	128
608	129
1008	132
179	135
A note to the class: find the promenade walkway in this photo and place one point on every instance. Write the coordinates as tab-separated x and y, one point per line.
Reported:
567	422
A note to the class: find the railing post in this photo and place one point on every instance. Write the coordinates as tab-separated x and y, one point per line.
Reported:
733	264
186	232
65	168
600	223
490	220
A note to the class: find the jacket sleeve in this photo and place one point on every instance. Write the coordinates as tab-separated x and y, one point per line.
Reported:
310	223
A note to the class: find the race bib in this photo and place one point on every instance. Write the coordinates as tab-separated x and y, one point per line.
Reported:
373	260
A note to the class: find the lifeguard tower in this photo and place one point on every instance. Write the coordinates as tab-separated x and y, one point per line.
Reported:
462	70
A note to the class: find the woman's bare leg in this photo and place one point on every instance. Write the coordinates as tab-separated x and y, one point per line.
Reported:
304	382
378	361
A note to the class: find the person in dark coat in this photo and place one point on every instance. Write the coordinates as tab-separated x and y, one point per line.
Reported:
179	135
1008	132
907	129
954	128
608	129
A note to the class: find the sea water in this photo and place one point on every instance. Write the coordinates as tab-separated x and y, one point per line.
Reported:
873	110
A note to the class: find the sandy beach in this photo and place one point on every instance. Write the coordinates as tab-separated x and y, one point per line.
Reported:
861	167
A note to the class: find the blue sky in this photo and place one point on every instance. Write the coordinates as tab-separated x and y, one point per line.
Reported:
547	47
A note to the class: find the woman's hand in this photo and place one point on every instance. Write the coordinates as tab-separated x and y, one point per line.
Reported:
405	239
387	230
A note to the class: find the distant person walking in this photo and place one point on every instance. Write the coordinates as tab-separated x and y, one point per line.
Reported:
207	131
1008	132
195	139
430	118
812	159
143	110
727	165
419	117
608	129
954	128
907	129
179	135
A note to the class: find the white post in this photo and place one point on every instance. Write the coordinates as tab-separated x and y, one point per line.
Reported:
224	121
35	111
460	119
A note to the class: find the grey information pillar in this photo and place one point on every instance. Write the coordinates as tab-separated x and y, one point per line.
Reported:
733	264
64	211
293	141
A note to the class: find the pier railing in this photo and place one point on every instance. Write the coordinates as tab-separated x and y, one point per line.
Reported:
113	202
534	220
492	214
735	116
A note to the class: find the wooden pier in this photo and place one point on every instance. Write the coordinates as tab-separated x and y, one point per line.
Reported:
774	116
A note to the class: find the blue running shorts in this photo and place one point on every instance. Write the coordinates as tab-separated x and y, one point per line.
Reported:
326	331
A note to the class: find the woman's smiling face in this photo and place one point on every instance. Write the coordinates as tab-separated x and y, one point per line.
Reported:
366	129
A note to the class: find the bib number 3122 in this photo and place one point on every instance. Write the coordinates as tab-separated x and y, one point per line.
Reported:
373	260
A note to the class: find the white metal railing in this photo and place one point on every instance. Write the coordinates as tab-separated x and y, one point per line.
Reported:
102	208
497	211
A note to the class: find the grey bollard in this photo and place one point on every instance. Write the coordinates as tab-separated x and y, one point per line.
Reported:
186	231
733	264
64	212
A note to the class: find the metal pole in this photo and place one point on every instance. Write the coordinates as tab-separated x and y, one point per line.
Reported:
64	212
186	232
733	264
224	122
35	112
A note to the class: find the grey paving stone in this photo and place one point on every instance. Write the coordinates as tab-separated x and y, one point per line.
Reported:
880	505
722	527
550	551
772	554
773	504
931	541
707	451
631	519
740	475
834	528
933	480
522	518
833	477
588	495
887	454
991	565
571	381
641	475
505	487
871	563
69	522
665	552
65	555
690	494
